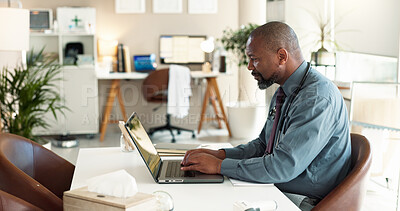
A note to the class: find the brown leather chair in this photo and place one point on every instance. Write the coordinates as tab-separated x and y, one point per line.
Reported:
155	90
349	194
10	202
33	173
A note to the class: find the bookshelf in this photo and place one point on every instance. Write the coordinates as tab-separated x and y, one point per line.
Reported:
78	85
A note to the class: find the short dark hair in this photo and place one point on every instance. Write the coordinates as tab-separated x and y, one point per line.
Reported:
278	35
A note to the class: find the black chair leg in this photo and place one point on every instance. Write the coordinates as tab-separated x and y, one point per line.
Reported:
172	134
169	127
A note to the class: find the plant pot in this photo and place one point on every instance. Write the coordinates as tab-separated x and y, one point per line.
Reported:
246	120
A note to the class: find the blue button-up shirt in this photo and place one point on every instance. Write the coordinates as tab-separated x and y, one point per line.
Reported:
311	153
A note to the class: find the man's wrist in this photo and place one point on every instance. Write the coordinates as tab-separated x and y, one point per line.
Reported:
221	154
219	166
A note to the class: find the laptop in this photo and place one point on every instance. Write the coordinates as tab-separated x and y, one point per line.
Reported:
163	171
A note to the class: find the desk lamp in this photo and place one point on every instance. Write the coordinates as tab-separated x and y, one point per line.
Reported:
107	51
207	46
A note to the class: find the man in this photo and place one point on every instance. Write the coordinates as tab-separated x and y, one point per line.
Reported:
305	150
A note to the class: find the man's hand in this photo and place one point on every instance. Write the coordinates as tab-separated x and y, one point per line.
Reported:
203	162
220	154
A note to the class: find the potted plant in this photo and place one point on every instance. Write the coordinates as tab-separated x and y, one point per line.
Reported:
245	118
234	41
323	56
27	93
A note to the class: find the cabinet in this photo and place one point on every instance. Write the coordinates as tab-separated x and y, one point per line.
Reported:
54	43
77	87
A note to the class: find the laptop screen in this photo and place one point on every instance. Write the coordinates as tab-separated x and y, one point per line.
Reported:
143	144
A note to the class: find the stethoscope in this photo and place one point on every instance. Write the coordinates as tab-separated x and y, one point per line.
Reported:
291	99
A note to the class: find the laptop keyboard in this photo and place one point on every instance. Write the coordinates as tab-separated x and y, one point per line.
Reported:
174	170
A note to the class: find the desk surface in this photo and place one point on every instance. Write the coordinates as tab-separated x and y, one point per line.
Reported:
136	75
96	161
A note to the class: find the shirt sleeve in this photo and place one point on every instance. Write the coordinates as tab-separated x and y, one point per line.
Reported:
309	126
255	148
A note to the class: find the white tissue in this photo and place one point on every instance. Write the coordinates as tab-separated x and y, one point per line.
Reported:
118	183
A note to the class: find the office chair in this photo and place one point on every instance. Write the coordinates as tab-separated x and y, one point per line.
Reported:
10	202
154	88
33	173
349	194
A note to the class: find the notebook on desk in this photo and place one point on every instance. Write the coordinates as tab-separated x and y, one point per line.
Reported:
167	171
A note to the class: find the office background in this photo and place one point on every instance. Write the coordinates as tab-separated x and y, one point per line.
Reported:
363	26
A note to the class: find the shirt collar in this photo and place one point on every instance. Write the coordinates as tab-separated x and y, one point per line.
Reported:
294	80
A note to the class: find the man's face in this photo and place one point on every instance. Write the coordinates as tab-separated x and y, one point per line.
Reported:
263	63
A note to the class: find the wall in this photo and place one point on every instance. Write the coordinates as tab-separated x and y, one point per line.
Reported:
362	26
251	11
140	32
376	26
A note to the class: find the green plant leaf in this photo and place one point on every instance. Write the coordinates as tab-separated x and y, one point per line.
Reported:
235	41
28	93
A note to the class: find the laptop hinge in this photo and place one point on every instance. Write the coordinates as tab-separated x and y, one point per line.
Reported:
159	170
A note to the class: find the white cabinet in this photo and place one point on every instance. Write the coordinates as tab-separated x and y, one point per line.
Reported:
55	43
77	87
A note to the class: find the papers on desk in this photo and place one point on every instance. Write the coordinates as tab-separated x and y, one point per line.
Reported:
241	183
170	149
215	146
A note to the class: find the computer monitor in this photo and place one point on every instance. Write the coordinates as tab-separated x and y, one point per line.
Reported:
181	49
41	19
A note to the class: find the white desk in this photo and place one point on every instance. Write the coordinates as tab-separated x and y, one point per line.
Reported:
110	76
96	161
212	93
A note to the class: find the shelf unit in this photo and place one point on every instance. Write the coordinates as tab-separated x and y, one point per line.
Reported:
56	42
78	87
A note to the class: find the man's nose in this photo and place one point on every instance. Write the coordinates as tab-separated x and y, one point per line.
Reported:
250	66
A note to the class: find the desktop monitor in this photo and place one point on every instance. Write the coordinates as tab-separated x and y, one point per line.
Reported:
40	19
181	49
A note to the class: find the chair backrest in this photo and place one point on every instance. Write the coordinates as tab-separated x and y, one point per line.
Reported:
33	173
349	194
155	85
10	202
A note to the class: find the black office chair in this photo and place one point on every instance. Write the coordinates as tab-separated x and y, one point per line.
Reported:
154	90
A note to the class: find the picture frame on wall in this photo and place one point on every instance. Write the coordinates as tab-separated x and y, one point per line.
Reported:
202	6
130	6
167	6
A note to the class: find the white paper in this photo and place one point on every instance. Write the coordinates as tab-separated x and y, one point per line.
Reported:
167	6
236	182
215	146
130	6
202	6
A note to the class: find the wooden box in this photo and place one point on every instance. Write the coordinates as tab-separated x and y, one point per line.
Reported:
82	199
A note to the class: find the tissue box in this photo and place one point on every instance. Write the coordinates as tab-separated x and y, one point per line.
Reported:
82	199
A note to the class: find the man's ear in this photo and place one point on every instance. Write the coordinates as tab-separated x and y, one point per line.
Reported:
283	56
